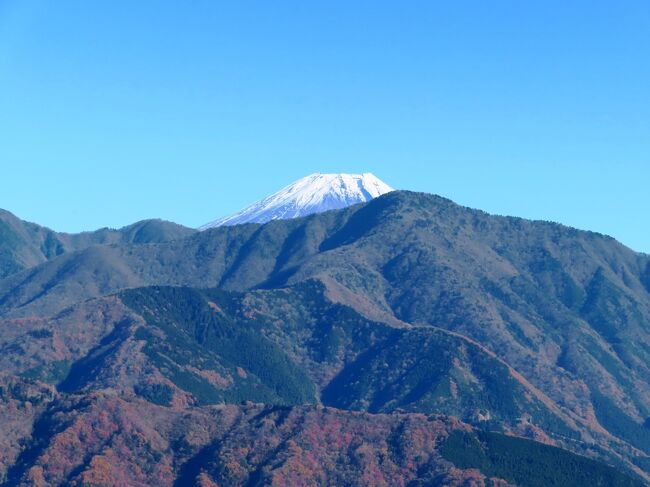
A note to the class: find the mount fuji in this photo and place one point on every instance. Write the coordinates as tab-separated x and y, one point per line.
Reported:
312	194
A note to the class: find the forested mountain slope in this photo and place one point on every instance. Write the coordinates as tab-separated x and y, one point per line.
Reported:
102	439
406	303
24	245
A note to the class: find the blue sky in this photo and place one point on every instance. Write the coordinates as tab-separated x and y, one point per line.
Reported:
115	111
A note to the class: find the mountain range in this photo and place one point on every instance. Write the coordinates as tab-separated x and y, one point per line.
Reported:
403	340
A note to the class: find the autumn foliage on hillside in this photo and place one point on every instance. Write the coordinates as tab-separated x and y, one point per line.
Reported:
108	439
102	439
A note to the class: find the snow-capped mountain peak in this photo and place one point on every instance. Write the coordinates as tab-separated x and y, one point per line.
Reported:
312	194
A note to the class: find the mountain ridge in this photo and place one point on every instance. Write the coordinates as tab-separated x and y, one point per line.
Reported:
24	244
566	310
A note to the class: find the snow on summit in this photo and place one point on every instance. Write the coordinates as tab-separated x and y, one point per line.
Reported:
312	194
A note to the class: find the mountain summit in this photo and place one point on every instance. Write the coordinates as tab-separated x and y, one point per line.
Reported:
312	194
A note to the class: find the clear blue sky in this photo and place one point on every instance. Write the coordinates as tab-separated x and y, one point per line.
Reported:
115	111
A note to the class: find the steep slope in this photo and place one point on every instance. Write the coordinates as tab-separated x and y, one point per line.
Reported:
293	346
568	310
312	194
106	439
212	346
24	245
